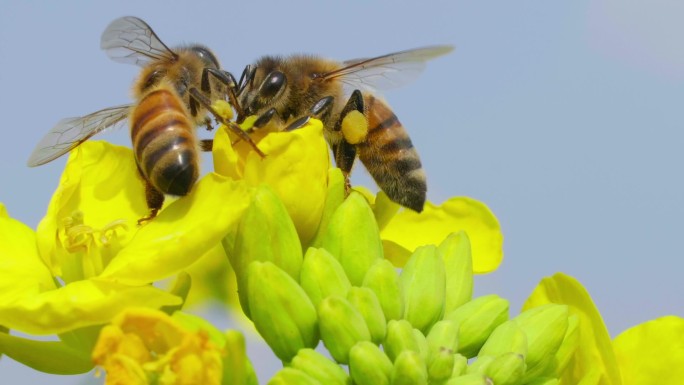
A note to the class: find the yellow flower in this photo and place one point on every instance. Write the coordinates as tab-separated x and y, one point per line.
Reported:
295	168
650	353
89	241
402	231
144	344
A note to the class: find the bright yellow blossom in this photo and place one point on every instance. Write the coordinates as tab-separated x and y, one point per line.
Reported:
142	344
100	259
650	353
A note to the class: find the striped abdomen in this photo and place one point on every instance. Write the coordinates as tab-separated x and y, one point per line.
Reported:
390	158
164	142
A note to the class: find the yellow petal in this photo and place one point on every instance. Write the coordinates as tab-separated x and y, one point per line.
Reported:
181	233
78	304
102	182
226	161
3	211
652	353
408	230
594	361
296	168
22	272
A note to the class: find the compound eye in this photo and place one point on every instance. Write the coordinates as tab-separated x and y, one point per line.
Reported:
206	55
273	83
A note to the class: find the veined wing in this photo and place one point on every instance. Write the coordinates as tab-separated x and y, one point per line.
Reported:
71	132
386	71
130	40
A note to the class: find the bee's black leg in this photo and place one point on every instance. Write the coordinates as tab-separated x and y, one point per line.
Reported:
228	80
155	201
206	103
321	111
206	145
345	152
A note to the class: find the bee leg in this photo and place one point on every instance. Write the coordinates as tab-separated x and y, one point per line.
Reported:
206	145
155	201
345	152
321	111
345	155
206	103
260	123
228	80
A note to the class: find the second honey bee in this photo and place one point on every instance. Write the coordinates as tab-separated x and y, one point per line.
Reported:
292	89
174	93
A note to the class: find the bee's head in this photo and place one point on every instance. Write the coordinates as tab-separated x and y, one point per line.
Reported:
262	85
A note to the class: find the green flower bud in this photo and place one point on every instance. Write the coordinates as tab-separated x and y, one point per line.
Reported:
181	288
507	337
409	369
441	366
281	310
265	233
568	346
236	366
423	283
421	343
342	326
544	381
399	338
506	369
319	367
383	280
458	265
480	365
384	209
443	337
477	319
545	327
333	199
353	237
368	365
365	301
323	276
470	379
292	376
460	365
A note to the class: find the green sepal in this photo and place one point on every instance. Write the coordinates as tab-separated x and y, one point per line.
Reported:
458	265
368	365
322	276
265	233
477	319
53	357
383	280
409	369
399	338
281	311
333	199
365	301
292	376
423	283
353	237
341	326
320	367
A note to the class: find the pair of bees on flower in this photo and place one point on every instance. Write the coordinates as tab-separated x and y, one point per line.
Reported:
177	87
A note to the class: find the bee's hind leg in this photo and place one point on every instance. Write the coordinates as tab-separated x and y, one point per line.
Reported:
345	152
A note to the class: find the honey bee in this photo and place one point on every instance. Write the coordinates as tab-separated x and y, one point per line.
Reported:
173	95
292	89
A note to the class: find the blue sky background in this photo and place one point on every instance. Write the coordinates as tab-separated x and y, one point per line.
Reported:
564	117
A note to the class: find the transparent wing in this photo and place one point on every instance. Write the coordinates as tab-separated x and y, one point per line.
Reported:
387	71
70	132
130	40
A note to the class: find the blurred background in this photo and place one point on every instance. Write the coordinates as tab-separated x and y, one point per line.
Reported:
564	117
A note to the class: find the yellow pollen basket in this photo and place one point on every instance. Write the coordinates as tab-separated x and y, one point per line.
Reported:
354	127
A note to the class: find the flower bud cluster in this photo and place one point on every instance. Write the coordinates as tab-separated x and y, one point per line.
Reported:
418	326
